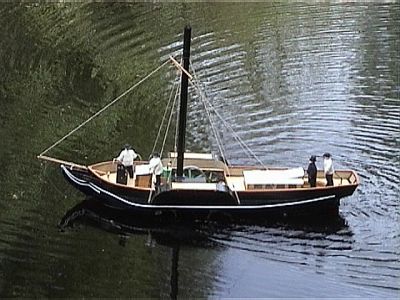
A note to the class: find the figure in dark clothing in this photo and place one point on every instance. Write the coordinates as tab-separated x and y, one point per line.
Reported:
312	171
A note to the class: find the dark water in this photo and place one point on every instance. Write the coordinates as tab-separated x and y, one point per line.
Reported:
293	80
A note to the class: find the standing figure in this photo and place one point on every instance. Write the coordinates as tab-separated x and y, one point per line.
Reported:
156	168
312	171
328	169
126	158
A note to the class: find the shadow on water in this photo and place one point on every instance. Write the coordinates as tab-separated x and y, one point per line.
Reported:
174	233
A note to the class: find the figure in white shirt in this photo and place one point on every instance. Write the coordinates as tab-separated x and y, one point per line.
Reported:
156	168
126	158
328	169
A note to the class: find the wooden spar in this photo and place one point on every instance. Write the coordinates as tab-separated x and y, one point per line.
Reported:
183	104
61	162
178	66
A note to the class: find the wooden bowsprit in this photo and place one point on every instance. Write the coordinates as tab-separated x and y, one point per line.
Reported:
62	162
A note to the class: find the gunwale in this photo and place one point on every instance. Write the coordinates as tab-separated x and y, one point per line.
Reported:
106	171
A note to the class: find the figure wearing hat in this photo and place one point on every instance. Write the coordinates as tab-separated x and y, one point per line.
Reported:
328	169
312	171
126	157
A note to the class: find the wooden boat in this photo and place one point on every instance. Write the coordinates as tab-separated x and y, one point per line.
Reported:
200	184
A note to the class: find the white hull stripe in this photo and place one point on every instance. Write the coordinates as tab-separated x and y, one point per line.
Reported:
100	190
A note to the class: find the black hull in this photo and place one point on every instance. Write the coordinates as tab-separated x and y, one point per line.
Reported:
208	204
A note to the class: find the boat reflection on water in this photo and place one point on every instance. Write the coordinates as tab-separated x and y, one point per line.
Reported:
170	231
94	213
183	230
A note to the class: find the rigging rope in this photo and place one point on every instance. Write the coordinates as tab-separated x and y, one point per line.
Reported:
241	142
170	119
176	131
166	132
218	139
243	145
163	119
105	107
219	143
178	113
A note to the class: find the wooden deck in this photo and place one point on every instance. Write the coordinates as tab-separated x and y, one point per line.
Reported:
235	183
236	180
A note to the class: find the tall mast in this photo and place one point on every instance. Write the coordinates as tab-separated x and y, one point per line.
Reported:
183	104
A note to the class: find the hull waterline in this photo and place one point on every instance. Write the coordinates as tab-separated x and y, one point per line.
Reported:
319	204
